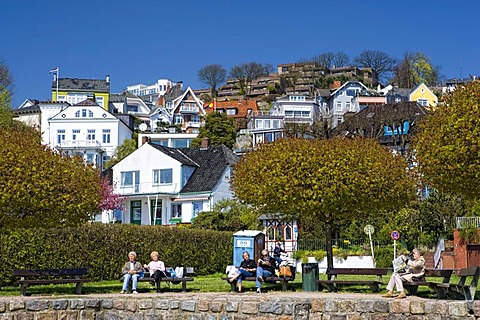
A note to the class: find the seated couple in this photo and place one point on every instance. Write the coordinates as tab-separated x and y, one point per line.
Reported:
265	267
133	270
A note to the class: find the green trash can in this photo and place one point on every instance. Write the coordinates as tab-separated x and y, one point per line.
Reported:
309	276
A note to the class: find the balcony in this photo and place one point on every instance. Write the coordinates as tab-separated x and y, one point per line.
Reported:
191	124
189	109
147	188
465	222
79	144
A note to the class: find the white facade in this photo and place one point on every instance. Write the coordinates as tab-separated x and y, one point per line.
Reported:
341	101
158	88
171	140
296	109
150	201
86	130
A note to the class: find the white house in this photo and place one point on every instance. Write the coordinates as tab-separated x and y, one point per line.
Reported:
165	186
341	100
88	130
296	109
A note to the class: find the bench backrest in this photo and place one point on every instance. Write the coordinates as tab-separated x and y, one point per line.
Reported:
359	271
473	272
50	272
445	273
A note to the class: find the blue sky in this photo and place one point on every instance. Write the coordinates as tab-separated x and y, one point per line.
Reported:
144	40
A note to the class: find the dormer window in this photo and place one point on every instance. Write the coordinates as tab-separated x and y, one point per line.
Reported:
231	112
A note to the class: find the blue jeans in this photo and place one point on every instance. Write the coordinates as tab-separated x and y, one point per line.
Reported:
126	280
262	273
243	274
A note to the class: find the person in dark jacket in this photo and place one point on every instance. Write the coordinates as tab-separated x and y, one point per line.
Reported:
247	269
276	253
265	268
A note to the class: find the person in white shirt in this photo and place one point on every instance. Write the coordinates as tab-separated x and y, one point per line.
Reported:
156	269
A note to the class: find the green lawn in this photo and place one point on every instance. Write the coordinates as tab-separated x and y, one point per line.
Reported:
210	283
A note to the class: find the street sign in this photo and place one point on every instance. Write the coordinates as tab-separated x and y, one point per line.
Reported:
369	229
395	235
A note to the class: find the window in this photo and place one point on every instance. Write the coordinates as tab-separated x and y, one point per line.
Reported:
106	136
90	113
276	124
339	106
195	119
84	113
162	176
178	119
91	134
176	210
99	101
181	143
77	114
129	179
259	124
351	92
75	132
267	124
231	112
197	208
91	158
61	98
60	136
348	105
131	108
305	114
288	233
423	102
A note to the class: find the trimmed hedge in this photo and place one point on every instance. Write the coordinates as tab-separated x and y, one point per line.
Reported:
103	249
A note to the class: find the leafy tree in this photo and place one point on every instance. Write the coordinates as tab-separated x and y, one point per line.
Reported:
415	68
121	152
228	215
247	72
448	143
41	188
6	87
331	181
212	75
381	63
219	129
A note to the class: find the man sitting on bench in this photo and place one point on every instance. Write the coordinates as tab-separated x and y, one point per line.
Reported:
131	270
265	268
415	269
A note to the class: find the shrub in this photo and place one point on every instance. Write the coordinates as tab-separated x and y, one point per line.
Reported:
103	249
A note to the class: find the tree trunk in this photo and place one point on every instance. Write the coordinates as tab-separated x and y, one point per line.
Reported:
328	234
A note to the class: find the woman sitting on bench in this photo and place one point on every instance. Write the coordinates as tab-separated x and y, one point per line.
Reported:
247	269
156	268
415	268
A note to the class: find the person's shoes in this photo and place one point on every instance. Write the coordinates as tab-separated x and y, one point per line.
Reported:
389	294
122	292
259	290
402	295
260	278
134	292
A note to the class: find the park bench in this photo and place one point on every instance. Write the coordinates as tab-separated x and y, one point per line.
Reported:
183	280
51	276
332	273
464	289
412	286
272	280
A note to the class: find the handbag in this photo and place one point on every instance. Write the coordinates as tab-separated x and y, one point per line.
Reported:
285	271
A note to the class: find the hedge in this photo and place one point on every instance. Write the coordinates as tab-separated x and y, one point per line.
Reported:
103	249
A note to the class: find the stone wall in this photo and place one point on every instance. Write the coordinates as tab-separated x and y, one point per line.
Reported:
234	306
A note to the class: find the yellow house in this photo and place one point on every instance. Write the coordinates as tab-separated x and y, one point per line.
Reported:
423	96
74	91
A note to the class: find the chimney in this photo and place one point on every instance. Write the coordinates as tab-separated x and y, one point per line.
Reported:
205	142
145	139
336	84
107	78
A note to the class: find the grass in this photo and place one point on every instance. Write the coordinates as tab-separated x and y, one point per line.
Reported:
210	283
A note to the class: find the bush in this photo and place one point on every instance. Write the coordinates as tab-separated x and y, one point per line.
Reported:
103	249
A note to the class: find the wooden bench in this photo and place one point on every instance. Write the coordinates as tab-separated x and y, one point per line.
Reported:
412	286
183	280
464	289
51	276
273	280
332	274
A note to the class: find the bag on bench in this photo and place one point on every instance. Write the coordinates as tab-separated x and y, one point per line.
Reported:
285	271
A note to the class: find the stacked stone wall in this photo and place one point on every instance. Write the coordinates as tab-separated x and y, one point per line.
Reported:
311	307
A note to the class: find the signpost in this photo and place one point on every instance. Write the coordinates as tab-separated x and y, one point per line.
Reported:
369	229
395	235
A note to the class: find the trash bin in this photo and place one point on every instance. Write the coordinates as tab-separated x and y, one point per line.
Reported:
309	276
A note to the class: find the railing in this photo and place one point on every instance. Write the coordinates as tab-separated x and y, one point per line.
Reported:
316	244
146	187
78	144
464	222
191	124
189	109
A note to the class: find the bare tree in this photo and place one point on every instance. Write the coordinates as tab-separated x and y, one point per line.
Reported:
340	59
381	63
212	75
247	72
325	59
